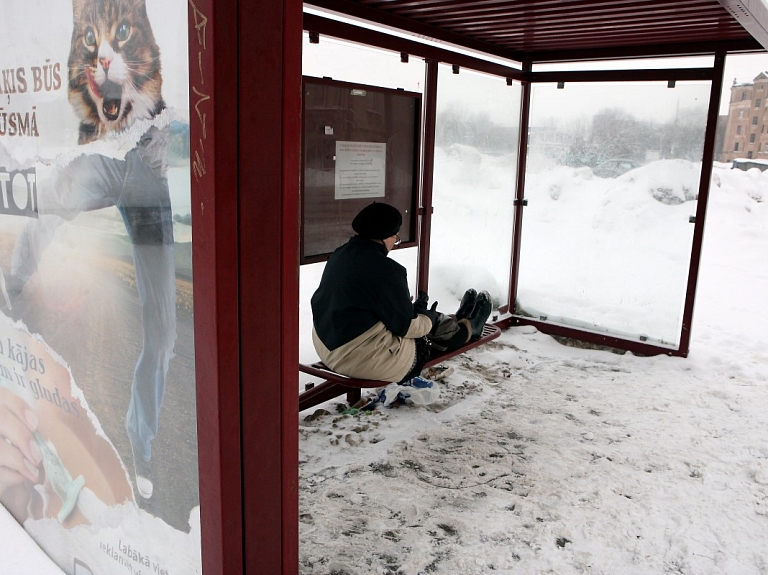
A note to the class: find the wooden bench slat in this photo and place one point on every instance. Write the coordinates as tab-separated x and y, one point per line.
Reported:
336	384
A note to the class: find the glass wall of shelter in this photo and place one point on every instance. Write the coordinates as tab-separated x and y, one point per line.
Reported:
612	174
477	131
355	63
611	184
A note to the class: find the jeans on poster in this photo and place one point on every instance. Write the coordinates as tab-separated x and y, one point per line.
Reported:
140	192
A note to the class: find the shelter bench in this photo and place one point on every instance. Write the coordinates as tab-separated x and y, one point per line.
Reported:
336	384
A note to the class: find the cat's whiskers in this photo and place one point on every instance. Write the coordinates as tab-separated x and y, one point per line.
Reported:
149	76
139	65
81	70
150	85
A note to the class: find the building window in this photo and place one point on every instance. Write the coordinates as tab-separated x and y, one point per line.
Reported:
736	147
749	155
738	129
741	113
765	149
743	96
751	138
754	121
757	103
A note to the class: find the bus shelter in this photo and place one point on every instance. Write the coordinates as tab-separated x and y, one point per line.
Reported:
473	117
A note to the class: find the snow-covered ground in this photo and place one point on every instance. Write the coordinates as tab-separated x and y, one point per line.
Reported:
544	458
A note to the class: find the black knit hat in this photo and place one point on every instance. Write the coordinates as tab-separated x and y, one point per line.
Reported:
377	221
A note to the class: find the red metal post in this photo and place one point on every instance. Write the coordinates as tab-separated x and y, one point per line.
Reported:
703	198
522	158
291	217
427	174
213	144
268	104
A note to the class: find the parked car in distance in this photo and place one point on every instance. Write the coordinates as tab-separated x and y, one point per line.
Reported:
615	168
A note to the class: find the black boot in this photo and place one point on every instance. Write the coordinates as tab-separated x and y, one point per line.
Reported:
480	313
467	303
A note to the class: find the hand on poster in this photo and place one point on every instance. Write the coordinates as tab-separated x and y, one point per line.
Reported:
20	456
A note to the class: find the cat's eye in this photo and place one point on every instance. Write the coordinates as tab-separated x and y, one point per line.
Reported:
123	31
89	37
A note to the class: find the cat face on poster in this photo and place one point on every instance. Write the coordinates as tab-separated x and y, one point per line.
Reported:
114	66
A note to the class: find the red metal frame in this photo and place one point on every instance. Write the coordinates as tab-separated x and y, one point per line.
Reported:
527	76
702	201
661	50
558	31
213	126
244	67
336	384
662	74
597	338
289	340
268	116
413	26
414	207
360	35
427	169
522	160
715	75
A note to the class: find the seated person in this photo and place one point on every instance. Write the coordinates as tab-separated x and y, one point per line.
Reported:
366	324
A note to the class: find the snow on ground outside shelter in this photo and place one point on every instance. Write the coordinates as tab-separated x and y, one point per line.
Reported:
541	458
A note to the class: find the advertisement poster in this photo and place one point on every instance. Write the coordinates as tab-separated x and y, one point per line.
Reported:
98	458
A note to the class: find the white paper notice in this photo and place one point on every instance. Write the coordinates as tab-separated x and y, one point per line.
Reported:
360	169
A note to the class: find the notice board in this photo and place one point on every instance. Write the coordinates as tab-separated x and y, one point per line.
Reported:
360	145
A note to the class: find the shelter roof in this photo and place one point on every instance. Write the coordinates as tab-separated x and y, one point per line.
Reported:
564	30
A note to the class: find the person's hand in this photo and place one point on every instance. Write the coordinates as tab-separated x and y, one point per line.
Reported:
20	456
421	301
431	313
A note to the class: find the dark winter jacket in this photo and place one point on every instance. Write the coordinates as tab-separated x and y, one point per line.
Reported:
364	321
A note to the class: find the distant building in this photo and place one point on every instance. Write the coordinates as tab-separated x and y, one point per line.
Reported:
746	134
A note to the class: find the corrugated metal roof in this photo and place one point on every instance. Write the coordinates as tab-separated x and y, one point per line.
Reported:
561	29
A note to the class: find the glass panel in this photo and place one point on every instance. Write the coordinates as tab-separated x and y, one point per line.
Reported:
365	65
476	142
611	181
361	64
97	356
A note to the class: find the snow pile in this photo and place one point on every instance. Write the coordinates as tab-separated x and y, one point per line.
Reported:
670	182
